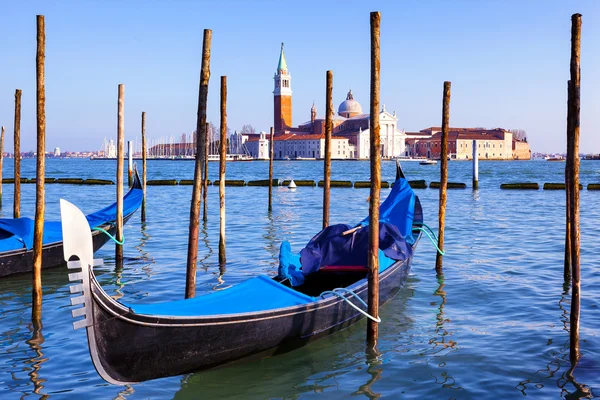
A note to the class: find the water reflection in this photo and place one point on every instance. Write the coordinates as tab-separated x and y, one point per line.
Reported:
204	260
145	257
123	394
561	359
118	276
35	344
375	370
442	344
271	238
441	341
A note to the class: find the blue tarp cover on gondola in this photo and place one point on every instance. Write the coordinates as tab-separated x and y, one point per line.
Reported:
330	248
260	293
18	233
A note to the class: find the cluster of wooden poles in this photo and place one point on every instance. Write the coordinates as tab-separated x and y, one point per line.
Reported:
199	193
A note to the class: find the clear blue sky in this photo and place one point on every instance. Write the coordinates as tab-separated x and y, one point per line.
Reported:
508	62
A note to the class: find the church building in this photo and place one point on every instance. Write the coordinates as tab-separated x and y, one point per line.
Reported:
350	125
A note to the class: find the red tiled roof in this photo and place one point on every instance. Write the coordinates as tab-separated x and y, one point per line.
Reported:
294	136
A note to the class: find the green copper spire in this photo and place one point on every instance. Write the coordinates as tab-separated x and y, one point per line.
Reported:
282	64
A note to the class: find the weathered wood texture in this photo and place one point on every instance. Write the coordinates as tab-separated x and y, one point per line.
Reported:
192	255
475	166
120	159
205	181
443	174
569	162
327	158
17	156
271	156
144	176
222	165
38	227
573	137
129	163
375	161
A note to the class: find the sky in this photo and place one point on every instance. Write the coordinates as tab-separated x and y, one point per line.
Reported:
508	62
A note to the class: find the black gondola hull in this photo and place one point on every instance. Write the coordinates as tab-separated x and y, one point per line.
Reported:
134	348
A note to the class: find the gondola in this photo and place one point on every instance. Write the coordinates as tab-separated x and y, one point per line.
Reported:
261	316
16	235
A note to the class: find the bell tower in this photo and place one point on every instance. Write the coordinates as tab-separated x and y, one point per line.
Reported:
282	96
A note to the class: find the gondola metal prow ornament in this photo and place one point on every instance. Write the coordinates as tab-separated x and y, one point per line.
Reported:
77	242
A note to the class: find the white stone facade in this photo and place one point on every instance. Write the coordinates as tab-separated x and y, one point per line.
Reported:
258	149
392	139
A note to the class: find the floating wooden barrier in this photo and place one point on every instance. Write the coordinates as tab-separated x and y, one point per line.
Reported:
46	180
12	180
162	182
262	182
299	183
557	186
417	184
189	182
345	184
98	182
524	186
451	185
367	185
232	182
593	186
73	181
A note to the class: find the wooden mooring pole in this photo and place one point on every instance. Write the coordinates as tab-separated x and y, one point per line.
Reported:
38	229
129	163
327	158
443	174
222	164
144	176
201	133
375	161
205	177
475	166
271	156
1	162
120	159
573	137
17	156
569	162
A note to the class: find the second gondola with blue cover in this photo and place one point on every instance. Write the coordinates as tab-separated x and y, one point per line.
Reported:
16	234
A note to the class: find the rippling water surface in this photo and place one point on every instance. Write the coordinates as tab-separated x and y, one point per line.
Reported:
494	325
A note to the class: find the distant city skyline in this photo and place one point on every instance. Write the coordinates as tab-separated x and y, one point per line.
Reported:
508	62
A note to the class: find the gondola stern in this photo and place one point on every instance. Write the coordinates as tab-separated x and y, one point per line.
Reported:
399	172
137	182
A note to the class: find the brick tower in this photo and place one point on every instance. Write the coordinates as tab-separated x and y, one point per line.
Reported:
282	96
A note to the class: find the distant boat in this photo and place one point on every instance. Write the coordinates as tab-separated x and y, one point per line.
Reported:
407	159
555	159
428	162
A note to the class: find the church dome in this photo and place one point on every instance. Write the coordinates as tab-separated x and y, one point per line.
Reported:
349	107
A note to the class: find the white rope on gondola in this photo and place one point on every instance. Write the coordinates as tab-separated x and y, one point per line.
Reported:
341	296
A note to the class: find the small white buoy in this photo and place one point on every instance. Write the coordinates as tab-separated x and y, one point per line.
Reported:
292	185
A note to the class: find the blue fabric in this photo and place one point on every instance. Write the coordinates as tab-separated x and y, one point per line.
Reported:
18	233
398	209
330	248
289	264
260	293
